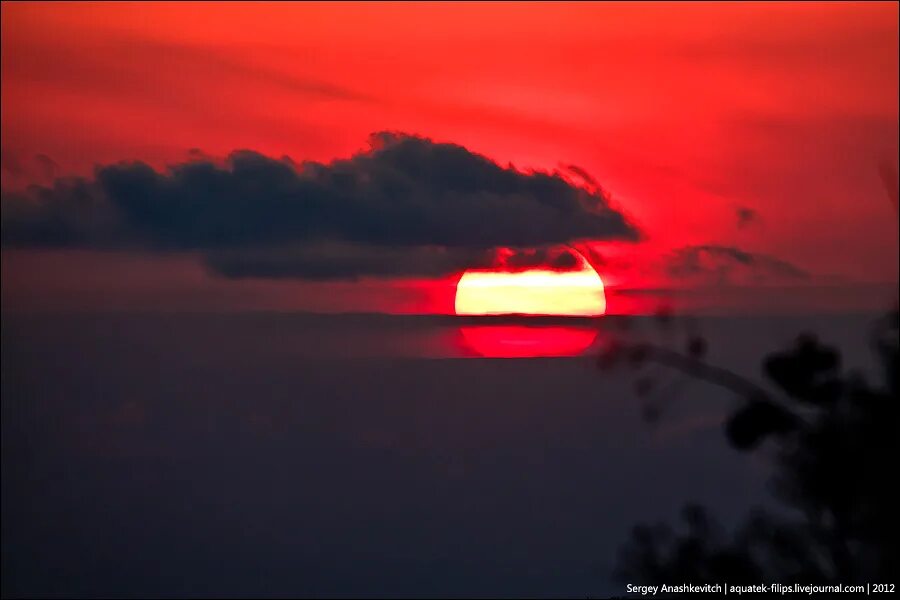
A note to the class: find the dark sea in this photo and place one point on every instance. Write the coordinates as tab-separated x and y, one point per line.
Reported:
283	455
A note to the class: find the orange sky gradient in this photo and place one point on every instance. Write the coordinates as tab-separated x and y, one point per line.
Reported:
683	113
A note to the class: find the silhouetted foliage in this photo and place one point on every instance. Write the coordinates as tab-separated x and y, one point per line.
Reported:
756	420
836	435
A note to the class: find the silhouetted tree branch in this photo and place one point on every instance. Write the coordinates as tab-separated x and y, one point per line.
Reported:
833	466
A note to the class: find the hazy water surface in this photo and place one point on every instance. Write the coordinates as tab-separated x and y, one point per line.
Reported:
289	455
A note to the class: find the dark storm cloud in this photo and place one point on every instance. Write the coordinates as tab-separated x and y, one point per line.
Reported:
332	261
727	264
521	259
70	213
405	193
583	174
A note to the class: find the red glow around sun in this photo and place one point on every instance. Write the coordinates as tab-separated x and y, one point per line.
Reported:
519	341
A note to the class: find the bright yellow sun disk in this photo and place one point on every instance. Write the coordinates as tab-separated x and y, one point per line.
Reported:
532	292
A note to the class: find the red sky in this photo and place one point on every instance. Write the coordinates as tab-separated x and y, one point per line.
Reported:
684	113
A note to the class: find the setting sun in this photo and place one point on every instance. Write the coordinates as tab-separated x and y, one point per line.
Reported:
577	292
